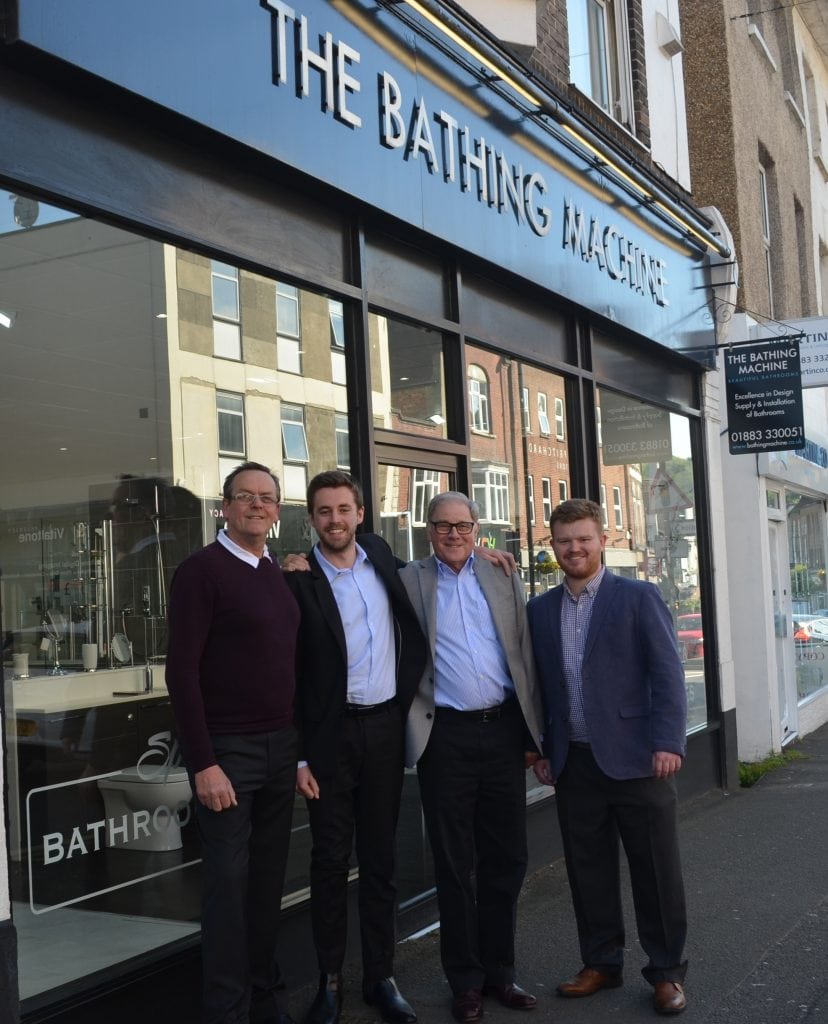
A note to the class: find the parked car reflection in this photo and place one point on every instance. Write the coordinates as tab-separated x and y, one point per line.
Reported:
810	629
689	636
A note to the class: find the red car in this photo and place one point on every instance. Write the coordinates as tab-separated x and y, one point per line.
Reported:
689	636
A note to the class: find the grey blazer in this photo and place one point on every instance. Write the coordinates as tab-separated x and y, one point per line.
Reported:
506	601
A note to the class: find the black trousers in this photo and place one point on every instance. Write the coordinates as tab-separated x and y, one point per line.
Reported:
596	811
473	787
361	799
244	855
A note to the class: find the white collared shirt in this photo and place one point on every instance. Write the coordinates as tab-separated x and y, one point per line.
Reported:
227	541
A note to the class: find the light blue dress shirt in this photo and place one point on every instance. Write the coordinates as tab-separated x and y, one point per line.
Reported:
576	615
470	669
365	610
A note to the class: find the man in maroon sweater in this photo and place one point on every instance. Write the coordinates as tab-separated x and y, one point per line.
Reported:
230	672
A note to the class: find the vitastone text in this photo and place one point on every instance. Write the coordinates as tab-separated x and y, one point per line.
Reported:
450	149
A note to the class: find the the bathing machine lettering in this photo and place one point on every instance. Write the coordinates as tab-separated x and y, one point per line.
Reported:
424	133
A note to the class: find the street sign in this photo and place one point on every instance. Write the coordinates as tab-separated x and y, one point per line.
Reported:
764	397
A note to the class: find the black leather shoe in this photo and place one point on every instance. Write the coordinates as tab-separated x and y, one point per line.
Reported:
387	998
327	1004
512	996
467	1008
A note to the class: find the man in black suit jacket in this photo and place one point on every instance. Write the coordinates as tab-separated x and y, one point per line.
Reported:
359	659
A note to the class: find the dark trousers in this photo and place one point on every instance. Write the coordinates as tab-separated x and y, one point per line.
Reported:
596	811
362	798
473	787
244	855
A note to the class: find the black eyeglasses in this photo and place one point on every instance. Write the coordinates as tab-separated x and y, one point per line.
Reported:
246	498
444	528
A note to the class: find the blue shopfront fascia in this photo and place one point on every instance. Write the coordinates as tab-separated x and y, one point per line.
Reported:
352	95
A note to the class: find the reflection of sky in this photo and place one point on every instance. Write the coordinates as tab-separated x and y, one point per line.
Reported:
680	436
45	214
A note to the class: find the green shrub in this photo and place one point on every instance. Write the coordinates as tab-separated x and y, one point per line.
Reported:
752	771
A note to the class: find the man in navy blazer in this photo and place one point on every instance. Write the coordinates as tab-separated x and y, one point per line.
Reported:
615	708
359	656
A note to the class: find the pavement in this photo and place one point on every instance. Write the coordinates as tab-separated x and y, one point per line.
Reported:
756	875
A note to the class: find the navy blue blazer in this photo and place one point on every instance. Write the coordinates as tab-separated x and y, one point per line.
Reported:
635	700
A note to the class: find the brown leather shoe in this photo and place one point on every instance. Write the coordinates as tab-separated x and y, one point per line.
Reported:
588	981
467	1008
669	997
511	996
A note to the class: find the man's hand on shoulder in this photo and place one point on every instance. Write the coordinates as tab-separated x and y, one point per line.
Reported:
665	764
214	790
295	563
505	559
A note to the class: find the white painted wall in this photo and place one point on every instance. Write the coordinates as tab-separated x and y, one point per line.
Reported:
665	89
513	21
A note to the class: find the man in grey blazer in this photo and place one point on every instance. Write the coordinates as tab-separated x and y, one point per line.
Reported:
614	737
473	726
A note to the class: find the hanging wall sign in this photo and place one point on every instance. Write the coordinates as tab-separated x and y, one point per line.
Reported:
764	397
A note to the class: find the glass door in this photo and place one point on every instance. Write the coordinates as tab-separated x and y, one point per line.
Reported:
785	627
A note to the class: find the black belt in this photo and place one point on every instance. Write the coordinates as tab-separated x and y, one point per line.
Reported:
363	710
580	745
483	714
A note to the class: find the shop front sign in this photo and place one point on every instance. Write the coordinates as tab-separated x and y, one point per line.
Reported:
352	96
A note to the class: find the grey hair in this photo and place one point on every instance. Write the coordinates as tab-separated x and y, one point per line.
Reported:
439	499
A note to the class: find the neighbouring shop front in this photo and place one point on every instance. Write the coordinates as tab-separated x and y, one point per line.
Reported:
313	237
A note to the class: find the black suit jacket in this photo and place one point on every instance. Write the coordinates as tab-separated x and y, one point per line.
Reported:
322	656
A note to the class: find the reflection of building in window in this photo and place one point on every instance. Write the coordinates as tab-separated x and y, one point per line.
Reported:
617	509
560	430
490	489
479	400
563	490
343	451
546	484
598	426
224	289
294	452
288	341
414	372
337	320
525	411
530	498
604	513
599	61
639	527
543	416
231	432
426	484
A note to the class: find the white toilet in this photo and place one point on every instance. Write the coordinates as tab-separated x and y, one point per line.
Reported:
146	807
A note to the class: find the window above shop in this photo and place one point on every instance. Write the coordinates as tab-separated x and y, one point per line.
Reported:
599	55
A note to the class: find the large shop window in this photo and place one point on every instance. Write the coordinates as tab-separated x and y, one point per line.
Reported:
122	404
809	599
520	446
647	493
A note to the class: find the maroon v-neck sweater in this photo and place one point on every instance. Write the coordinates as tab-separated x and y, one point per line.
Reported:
231	650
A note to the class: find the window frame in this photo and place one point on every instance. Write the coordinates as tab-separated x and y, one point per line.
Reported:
603	70
543	415
480	420
288	341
